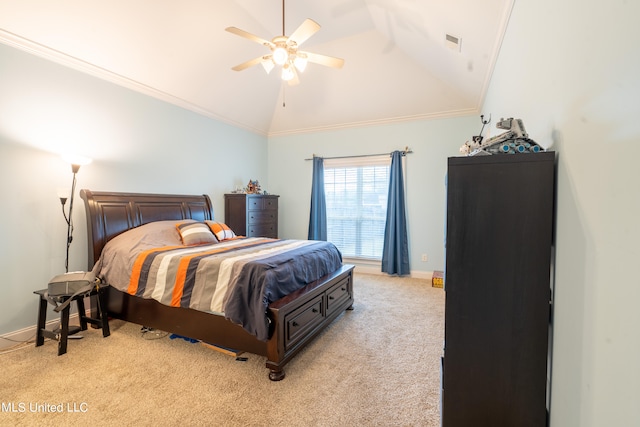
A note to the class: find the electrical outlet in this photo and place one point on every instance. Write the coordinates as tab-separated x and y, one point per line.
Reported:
424	258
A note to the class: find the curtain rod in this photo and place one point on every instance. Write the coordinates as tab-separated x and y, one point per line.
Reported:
404	152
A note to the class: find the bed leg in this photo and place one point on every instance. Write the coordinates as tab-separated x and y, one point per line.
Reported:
276	375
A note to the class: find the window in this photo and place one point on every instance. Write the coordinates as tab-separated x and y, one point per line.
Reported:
356	195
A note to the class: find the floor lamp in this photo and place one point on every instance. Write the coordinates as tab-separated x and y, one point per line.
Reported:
75	162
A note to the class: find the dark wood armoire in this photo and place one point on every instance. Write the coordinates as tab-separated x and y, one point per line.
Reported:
499	236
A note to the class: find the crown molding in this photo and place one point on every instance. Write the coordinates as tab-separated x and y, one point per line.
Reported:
376	122
77	64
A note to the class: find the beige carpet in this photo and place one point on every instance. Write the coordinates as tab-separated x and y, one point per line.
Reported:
378	365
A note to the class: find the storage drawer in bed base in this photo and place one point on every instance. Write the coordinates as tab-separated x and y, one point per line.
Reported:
303	319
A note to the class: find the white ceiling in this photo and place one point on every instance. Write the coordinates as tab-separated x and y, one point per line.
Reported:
397	65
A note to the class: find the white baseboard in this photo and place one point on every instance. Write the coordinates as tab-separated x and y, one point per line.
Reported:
372	267
29	333
422	274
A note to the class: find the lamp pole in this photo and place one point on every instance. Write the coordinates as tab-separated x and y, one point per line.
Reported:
68	218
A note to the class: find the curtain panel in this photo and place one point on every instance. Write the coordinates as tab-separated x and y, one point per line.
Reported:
395	252
318	211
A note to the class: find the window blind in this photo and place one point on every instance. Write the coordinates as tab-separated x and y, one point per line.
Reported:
356	197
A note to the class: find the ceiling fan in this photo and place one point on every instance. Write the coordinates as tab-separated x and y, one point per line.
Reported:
285	53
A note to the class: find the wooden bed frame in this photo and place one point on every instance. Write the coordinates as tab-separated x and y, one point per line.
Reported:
295	319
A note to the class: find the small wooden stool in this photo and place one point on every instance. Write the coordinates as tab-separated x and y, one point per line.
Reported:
62	333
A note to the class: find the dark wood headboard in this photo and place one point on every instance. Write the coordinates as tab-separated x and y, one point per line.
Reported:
109	213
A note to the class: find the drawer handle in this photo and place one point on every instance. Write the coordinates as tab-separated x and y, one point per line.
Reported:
331	297
344	289
314	310
294	324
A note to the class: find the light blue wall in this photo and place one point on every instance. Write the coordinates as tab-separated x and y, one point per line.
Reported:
138	144
571	70
432	141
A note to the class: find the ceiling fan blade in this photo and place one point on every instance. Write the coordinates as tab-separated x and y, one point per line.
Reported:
246	35
308	28
328	61
249	63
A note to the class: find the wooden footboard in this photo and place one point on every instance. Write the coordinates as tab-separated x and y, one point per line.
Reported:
300	316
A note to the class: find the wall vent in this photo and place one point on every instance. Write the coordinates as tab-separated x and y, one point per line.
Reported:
453	42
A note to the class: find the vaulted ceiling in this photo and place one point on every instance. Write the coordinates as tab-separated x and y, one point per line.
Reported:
398	64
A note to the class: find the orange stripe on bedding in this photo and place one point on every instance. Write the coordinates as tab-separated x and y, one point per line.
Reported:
183	266
139	262
181	276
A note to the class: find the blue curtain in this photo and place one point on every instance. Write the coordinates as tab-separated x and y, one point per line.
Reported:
318	214
395	252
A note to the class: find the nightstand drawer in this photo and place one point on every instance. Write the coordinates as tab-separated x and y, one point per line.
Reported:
263	230
260	203
270	203
301	320
261	217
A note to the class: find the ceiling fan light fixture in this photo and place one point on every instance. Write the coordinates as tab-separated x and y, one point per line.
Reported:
287	72
300	62
268	65
280	55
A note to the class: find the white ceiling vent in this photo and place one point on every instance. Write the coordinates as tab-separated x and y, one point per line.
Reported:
453	42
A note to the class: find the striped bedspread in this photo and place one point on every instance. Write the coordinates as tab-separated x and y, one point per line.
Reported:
237	278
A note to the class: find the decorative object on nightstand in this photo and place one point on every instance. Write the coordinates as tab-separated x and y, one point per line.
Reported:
253	187
252	215
75	162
